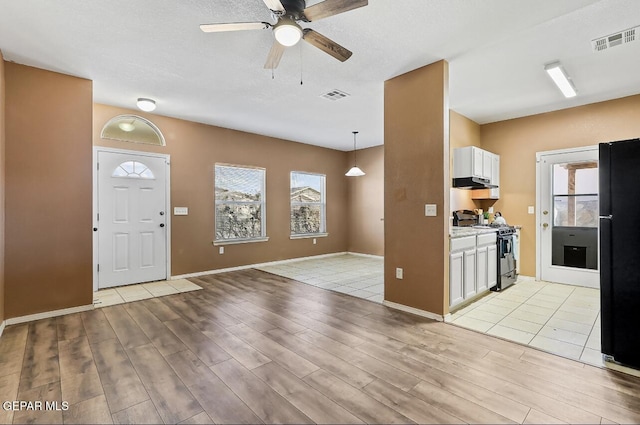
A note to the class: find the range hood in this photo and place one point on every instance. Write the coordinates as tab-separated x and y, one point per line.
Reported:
472	183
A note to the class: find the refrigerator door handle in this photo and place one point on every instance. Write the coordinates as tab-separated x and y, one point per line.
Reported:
607	217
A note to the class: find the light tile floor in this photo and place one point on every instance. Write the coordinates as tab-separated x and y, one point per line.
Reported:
142	291
561	319
356	275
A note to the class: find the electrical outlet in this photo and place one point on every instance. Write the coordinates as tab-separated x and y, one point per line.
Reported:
315	241
399	273
491	210
531	209
221	250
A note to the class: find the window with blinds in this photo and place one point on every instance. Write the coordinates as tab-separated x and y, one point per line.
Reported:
239	203
308	204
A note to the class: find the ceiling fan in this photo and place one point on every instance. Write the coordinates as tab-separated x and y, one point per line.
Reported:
288	32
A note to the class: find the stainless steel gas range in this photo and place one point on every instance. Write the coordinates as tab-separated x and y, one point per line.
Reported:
507	274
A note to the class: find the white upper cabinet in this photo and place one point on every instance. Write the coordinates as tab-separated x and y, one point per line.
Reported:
495	176
472	161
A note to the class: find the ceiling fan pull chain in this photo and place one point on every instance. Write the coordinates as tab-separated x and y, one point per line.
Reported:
300	49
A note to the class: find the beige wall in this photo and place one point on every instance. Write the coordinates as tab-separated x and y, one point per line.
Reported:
195	148
518	140
2	185
416	163
48	262
366	203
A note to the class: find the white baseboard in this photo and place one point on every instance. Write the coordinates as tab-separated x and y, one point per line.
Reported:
413	310
253	266
529	278
378	257
2	325
48	314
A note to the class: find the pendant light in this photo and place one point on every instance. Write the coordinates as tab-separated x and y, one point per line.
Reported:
355	171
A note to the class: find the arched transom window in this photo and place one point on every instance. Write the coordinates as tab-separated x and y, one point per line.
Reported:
133	169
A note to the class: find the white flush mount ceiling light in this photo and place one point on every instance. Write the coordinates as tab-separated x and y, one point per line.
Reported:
287	32
355	171
560	77
146	105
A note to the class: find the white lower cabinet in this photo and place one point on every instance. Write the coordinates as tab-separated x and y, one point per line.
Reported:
473	267
461	267
456	267
481	268
469	279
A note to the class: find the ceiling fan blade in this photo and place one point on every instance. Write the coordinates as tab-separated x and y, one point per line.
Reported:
274	5
332	7
235	26
326	45
275	54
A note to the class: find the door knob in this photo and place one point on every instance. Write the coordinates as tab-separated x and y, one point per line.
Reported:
161	224
545	225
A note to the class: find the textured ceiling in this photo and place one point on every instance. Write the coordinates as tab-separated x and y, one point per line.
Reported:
496	49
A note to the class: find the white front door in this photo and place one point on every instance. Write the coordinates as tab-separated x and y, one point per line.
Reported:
567	217
132	220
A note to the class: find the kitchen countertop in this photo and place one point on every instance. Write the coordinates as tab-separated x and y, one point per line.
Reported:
460	232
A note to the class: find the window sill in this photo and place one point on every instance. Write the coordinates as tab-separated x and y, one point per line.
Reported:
239	241
309	235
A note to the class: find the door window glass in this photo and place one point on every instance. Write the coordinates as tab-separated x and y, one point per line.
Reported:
575	194
134	170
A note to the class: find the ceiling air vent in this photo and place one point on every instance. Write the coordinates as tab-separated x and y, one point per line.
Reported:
622	37
335	94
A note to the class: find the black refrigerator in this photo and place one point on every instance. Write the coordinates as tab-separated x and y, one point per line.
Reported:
619	175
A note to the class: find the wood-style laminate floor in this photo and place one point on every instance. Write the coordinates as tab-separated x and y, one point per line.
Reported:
252	347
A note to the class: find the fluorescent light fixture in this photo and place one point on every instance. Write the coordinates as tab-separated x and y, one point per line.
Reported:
287	32
355	171
560	77
146	105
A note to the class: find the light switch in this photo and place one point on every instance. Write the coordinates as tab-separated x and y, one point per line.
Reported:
180	211
531	209
430	210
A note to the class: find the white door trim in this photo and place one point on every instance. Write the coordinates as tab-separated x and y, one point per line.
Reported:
538	209
167	157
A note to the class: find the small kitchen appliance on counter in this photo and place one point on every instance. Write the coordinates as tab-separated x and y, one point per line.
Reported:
464	218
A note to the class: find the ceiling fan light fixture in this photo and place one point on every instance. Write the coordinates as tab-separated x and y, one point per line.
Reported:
287	32
355	171
146	105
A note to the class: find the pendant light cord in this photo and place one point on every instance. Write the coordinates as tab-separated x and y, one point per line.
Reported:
355	154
